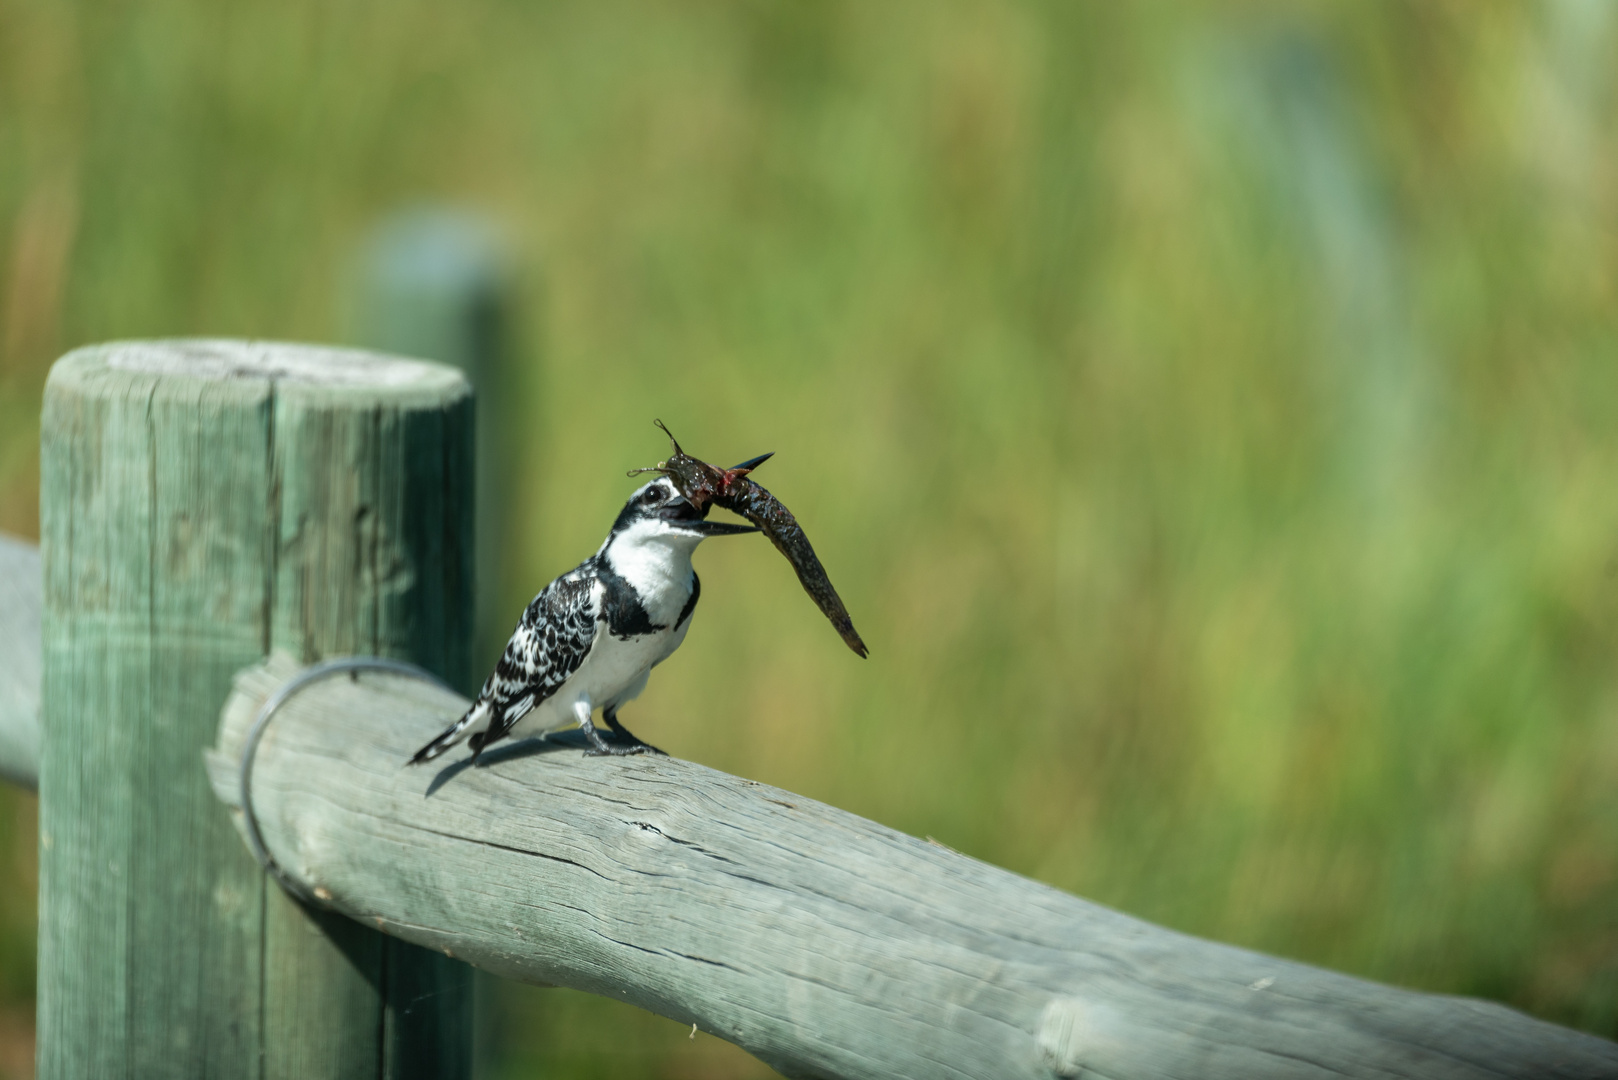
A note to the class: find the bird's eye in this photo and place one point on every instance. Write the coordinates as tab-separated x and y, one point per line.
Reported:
651	498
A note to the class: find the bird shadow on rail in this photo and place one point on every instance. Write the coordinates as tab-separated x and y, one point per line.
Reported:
513	751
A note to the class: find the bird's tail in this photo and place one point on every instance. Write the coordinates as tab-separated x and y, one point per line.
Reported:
451	735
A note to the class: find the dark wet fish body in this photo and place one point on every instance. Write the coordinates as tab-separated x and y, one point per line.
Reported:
702	484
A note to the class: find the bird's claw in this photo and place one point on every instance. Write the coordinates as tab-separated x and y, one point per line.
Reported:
623	751
623	744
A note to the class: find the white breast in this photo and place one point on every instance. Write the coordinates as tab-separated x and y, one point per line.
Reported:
615	670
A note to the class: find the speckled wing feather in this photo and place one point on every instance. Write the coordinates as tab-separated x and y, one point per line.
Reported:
552	639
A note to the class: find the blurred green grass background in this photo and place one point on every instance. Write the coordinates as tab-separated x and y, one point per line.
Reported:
1208	412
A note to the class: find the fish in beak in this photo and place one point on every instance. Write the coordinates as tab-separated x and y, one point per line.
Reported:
684	515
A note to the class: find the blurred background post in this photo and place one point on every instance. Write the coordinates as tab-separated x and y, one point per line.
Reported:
433	283
1208	413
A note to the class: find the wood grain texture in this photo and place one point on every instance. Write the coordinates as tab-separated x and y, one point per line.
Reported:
202	503
21	606
827	945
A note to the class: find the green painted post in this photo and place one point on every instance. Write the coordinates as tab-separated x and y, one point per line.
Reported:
203	502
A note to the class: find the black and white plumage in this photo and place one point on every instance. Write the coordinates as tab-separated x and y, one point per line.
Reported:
590	638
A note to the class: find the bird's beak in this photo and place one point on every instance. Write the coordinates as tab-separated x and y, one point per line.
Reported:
751	463
715	528
688	519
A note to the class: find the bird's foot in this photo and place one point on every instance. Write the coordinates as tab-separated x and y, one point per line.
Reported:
624	739
623	744
607	749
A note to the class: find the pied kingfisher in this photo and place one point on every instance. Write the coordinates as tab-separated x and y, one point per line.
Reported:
592	636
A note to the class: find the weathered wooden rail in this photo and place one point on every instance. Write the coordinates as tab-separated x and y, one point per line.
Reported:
828	945
825	944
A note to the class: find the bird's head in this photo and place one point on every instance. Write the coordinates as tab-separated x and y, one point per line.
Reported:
657	512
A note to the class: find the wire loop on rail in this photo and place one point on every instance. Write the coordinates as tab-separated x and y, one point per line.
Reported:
261	721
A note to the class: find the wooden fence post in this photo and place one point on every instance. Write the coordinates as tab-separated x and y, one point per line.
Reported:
202	503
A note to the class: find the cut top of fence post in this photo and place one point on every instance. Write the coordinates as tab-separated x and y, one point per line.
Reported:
318	368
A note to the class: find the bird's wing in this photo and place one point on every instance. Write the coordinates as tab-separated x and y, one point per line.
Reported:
550	642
